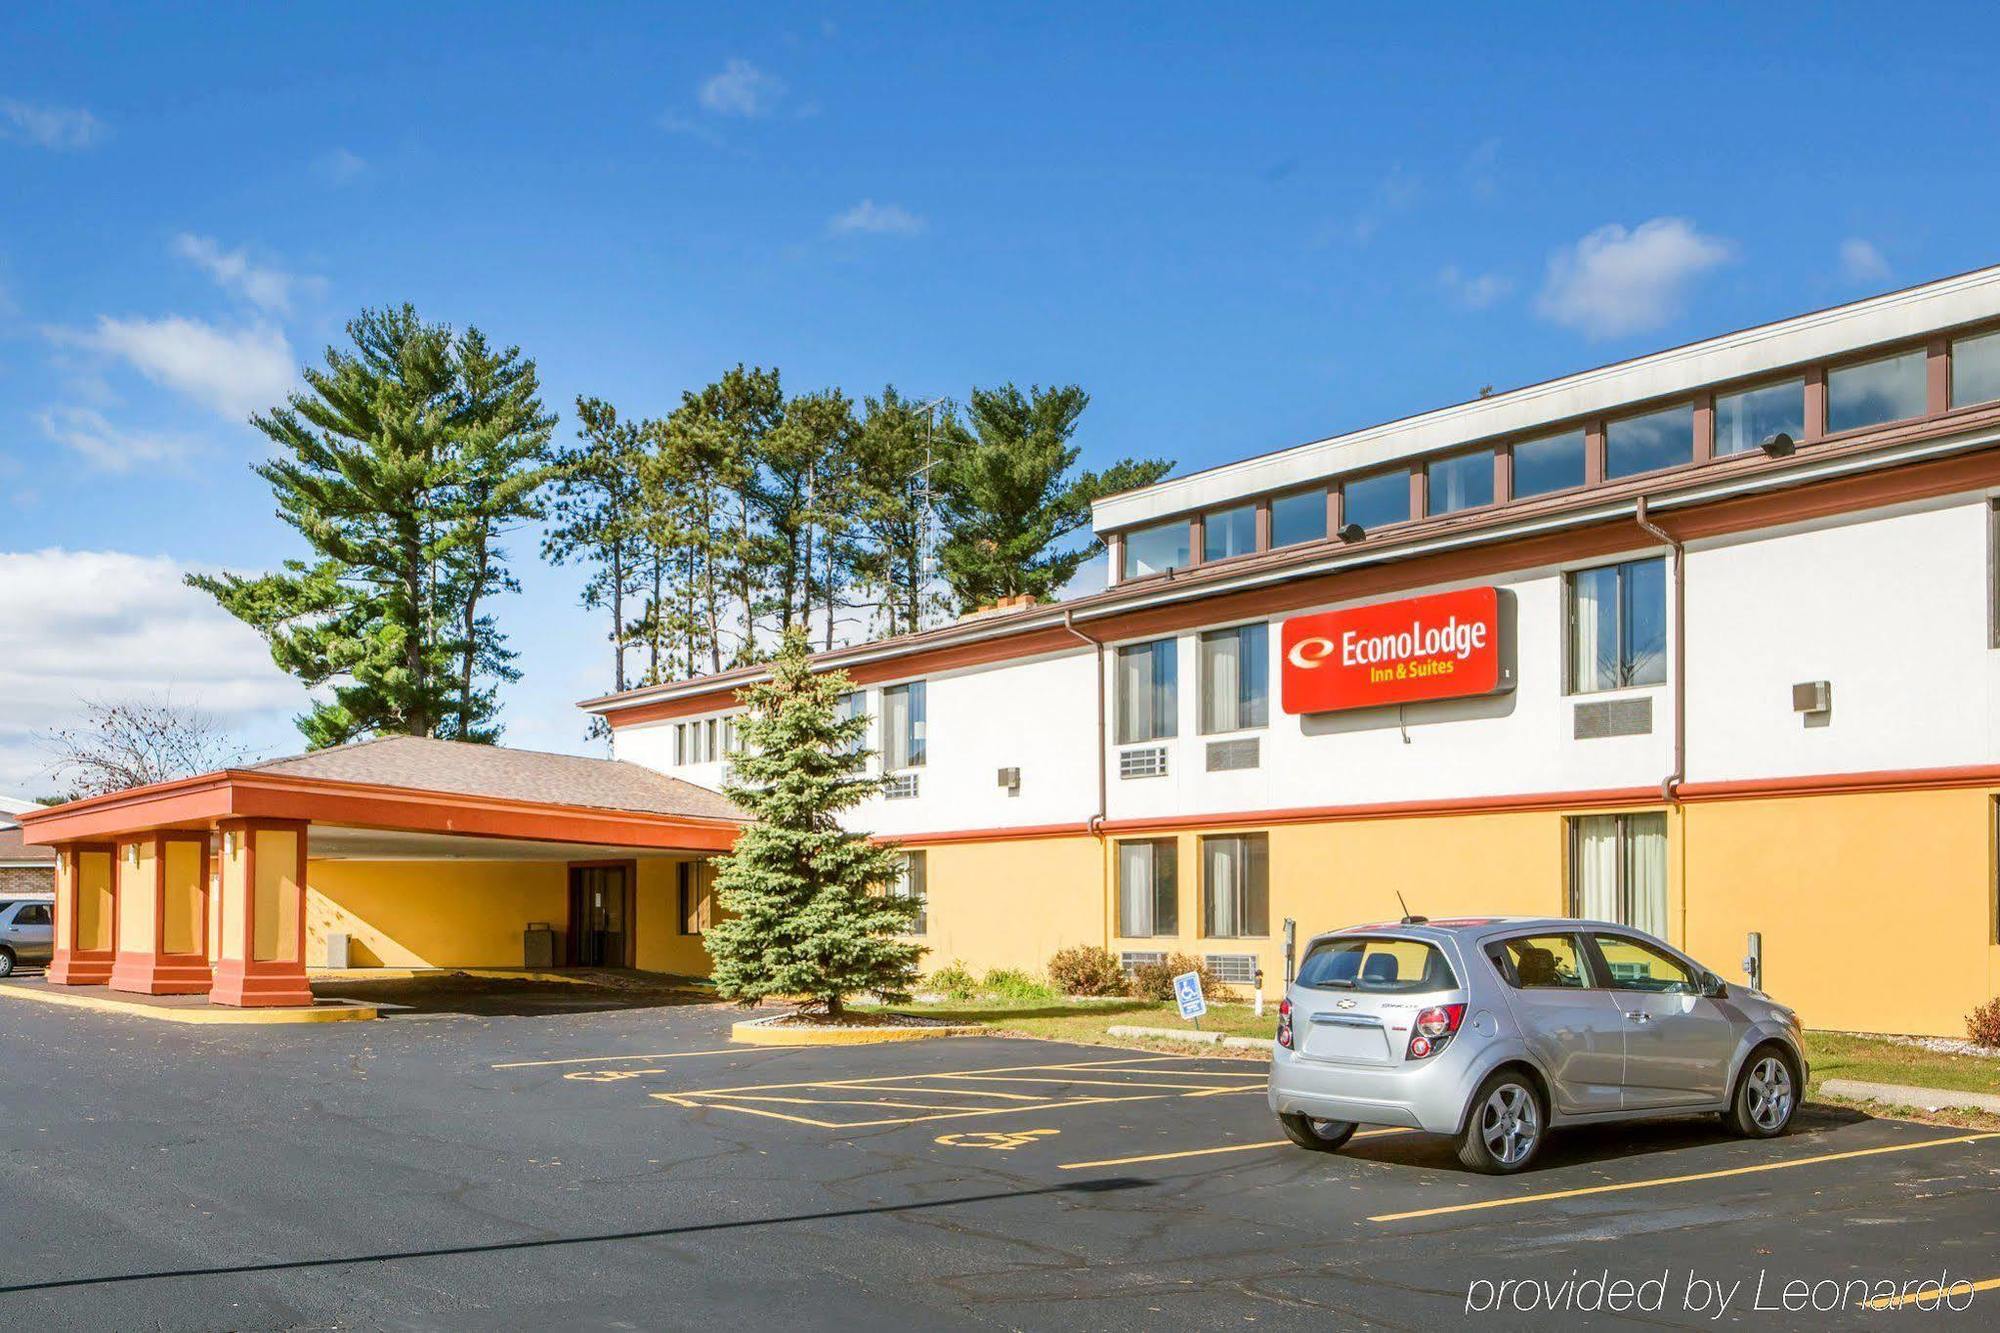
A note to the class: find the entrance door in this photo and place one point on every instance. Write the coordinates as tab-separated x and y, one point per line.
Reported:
598	910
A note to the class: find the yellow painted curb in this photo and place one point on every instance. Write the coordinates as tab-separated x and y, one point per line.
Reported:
418	973
770	1032
344	1014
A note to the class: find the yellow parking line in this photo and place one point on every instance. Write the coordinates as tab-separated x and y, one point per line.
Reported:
898	1078
1930	1293
954	1114
1209	1152
1191	1089
605	1059
1678	1180
834	1101
951	1092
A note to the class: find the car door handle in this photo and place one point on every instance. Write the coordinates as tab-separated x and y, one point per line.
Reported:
1637	1016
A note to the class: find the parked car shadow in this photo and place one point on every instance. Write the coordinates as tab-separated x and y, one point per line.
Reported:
496	997
1588	1145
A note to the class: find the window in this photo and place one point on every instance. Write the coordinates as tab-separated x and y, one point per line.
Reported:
1618	626
694	742
732	735
1357	963
1975	369
697	896
1618	870
1464	482
1149	888
1888	389
1552	463
1148	699
709	730
1155	550
680	743
903	729
1637	966
1235	679
1236	887
1745	420
33	914
1299	517
1540	962
849	706
913	882
1228	532
1650	442
1374	501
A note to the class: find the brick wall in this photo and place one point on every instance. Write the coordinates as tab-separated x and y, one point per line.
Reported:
27	879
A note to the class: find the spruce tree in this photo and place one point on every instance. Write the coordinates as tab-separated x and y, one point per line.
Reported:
809	912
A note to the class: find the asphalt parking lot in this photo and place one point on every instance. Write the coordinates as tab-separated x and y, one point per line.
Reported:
632	1169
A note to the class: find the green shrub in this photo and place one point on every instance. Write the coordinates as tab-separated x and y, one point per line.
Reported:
1155	981
954	981
1086	970
1010	983
1983	1024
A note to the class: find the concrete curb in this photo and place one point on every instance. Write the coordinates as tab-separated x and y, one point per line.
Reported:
338	1011
1897	1094
1189	1035
773	1031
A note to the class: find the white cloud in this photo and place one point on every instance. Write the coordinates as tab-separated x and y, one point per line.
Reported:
111	448
741	89
57	127
1475	291
1861	261
265	287
108	625
340	166
673	122
1615	281
872	219
234	371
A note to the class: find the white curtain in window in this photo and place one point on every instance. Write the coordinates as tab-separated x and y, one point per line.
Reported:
1593	594
1221	681
1135	889
1594	876
1646	872
1222	877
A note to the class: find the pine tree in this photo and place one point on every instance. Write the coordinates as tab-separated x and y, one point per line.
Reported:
1010	497
598	517
809	910
397	464
895	443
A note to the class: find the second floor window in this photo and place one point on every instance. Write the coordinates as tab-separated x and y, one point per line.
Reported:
1235	679
1148	693
903	727
1618	626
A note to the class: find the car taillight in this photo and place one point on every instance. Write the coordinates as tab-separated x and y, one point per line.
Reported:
1285	1023
1434	1029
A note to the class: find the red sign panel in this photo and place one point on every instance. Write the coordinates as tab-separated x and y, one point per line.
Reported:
1446	646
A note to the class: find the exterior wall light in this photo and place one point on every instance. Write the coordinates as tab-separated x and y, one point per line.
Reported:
1352	532
1778	446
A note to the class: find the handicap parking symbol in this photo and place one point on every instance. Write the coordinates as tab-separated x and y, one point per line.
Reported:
997	1140
1187	991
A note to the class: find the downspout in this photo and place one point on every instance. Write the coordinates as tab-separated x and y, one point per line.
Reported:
1670	785
1096	824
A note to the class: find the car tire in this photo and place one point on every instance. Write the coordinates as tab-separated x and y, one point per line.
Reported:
6	961
1504	1125
1766	1096
1318	1135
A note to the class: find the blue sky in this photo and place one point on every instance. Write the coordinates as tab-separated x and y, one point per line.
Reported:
1237	231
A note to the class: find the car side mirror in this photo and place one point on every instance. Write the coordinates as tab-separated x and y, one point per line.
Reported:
1712	987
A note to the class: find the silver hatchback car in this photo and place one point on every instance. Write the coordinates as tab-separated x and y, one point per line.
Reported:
1496	1030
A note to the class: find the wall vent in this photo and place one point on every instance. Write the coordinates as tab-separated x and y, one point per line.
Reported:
901	787
1150	762
1228	756
1234	969
1614	717
1130	963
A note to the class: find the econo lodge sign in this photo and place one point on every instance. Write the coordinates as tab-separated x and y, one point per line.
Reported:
1446	646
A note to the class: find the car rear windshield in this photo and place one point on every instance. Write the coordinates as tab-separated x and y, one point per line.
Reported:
1356	962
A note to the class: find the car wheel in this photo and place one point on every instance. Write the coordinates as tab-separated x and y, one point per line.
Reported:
1504	1126
6	962
1767	1094
1318	1135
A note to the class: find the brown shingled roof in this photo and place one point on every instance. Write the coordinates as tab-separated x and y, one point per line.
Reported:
15	852
424	764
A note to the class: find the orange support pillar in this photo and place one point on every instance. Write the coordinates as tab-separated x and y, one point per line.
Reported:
162	913
86	914
260	957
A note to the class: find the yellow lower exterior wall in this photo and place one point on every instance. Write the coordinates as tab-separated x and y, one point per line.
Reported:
661	946
432	913
1877	910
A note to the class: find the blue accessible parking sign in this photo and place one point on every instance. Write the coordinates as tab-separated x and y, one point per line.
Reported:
1187	991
